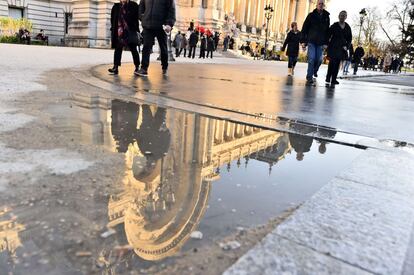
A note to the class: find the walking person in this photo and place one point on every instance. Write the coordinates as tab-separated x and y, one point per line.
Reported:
124	32
340	39
315	37
210	46
358	54
183	45
192	44
157	19
348	60
226	42
292	42
387	63
177	43
203	46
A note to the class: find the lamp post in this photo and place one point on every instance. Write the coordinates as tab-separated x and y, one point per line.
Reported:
362	15
268	15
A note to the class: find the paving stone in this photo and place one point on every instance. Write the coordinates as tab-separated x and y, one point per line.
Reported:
393	171
359	224
277	255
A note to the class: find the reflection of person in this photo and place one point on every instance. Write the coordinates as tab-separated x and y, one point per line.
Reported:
157	18
124	32
153	136
325	132
300	142
124	123
314	34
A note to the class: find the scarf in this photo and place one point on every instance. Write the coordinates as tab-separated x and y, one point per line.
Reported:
122	25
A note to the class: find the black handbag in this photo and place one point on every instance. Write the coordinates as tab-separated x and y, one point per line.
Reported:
135	38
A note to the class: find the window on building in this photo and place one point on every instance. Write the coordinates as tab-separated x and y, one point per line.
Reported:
68	19
16	13
204	4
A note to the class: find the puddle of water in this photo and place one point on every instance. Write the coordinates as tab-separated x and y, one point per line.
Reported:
183	172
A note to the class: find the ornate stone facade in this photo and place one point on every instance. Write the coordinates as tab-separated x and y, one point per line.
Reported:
85	23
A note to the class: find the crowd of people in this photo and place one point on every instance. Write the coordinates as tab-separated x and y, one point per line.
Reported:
188	41
317	36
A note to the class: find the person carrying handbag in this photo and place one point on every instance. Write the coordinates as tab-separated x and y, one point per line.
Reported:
125	32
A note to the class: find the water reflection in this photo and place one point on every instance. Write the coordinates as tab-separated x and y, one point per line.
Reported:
172	161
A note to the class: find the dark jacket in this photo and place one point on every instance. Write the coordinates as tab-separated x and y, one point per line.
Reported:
193	39
210	44
358	54
315	28
132	20
203	44
338	39
156	13
292	42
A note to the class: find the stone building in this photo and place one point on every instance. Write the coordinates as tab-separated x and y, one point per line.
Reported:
85	23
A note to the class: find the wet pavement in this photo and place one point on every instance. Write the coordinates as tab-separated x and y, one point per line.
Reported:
96	179
367	109
182	172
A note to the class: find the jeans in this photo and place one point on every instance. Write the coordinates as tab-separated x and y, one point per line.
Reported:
314	59
118	55
210	53
149	38
192	52
346	66
181	50
292	61
333	69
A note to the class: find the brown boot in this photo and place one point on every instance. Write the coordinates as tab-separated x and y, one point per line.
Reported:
289	71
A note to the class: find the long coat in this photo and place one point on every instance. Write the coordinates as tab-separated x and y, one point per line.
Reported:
292	42
338	39
132	20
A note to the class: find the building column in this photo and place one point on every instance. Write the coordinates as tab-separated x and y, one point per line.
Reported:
242	11
253	13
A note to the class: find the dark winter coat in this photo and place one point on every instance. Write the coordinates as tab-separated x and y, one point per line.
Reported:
193	39
338	39
358	54
203	45
156	13
292	42
132	20
315	28
210	44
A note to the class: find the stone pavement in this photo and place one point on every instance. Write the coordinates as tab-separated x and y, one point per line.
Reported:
360	223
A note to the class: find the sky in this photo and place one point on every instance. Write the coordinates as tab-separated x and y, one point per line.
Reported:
353	8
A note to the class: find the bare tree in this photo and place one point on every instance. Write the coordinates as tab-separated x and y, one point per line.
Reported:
399	15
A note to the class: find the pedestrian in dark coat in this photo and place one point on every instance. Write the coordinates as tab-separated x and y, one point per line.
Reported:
292	42
315	37
340	40
183	45
358	54
157	19
193	44
177	43
210	46
124	32
203	46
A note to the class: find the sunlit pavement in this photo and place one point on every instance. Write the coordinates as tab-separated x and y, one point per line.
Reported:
93	179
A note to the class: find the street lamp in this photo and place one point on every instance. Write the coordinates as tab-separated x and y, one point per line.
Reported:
268	15
362	15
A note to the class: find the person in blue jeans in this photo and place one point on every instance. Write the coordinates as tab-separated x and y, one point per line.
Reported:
315	37
292	42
